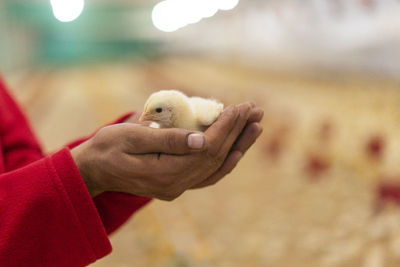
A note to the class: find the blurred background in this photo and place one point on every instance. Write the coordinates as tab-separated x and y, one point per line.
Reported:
321	187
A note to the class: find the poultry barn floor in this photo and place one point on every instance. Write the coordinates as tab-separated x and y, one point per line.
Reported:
319	188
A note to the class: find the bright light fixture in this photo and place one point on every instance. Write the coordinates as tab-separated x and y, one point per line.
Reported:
67	10
165	17
171	15
192	12
227	4
208	8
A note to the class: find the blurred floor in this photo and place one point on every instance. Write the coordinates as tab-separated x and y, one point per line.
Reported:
305	195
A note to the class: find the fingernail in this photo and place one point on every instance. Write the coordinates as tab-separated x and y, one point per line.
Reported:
239	155
228	108
196	141
246	112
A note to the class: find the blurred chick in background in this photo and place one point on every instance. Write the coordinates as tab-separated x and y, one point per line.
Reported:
173	109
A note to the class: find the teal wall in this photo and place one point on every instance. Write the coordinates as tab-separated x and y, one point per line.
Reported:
102	32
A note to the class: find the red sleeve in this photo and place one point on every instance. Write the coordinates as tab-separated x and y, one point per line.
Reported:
115	208
47	217
18	143
46	214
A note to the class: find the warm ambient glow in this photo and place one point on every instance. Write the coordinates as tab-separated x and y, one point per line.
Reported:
67	10
227	4
171	15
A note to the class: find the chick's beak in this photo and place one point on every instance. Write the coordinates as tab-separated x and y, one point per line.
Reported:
146	116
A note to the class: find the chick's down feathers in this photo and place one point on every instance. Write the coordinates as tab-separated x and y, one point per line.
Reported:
173	109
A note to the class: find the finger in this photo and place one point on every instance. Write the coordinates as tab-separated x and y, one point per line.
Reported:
247	138
140	140
244	110
245	141
217	133
151	165
229	164
256	115
144	123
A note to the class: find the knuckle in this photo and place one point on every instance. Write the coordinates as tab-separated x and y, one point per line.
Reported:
170	140
100	139
99	135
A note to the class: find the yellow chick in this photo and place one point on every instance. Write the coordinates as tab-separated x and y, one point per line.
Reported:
173	109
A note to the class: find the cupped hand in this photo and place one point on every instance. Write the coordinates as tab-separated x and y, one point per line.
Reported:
160	163
243	142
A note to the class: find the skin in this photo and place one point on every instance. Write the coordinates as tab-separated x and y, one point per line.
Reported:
135	159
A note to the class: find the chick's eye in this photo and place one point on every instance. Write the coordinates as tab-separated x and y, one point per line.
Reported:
158	110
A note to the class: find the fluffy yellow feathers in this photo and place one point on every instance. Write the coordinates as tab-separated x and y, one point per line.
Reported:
173	109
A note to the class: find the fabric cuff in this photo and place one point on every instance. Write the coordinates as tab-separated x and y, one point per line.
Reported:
82	203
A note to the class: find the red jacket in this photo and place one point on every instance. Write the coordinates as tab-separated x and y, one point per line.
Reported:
47	217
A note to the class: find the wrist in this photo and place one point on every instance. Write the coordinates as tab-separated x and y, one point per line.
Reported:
82	162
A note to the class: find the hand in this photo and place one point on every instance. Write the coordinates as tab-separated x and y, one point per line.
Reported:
156	163
245	140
